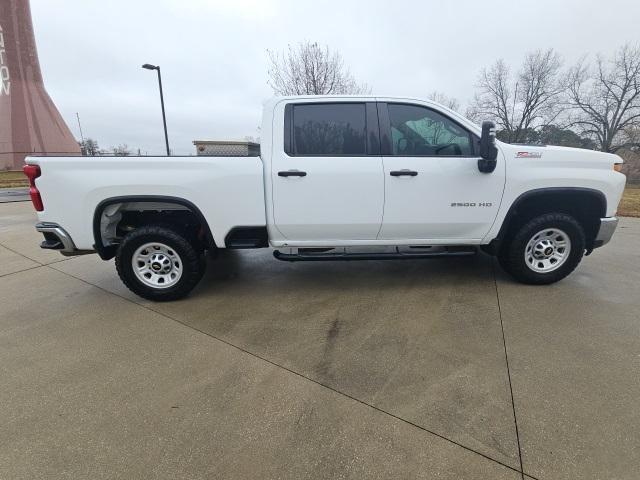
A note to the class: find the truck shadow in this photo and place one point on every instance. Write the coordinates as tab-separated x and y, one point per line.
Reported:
231	268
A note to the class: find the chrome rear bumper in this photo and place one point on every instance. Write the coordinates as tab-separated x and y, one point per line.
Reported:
605	232
56	238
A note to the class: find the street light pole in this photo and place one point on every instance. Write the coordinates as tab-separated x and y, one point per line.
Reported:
164	119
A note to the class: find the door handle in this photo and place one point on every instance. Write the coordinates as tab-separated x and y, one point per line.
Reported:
403	173
292	173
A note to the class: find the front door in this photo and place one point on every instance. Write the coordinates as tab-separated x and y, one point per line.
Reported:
327	181
433	188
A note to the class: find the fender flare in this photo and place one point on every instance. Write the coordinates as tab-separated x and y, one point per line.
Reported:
495	244
107	252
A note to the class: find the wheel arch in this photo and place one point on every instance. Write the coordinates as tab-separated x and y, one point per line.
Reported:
107	252
588	205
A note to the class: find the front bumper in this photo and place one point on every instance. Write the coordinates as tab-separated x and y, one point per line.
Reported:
605	232
56	238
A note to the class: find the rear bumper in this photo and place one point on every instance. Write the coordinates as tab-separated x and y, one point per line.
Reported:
56	238
605	232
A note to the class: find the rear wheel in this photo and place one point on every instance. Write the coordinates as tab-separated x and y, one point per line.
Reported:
159	264
544	250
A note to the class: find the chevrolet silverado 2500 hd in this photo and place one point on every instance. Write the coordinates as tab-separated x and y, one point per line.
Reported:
338	178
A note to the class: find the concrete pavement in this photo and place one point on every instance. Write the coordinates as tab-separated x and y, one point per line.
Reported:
318	370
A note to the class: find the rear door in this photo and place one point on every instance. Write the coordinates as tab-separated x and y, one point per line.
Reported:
327	180
434	190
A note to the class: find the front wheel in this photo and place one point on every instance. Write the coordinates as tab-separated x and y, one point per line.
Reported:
159	264
544	250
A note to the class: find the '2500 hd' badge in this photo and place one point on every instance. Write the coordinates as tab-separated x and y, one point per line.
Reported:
471	204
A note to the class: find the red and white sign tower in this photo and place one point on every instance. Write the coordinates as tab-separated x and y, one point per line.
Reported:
29	121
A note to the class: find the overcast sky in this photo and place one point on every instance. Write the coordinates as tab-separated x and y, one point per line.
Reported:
214	60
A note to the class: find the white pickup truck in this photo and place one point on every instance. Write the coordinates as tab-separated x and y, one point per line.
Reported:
338	178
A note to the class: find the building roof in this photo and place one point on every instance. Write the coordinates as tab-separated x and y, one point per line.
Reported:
223	142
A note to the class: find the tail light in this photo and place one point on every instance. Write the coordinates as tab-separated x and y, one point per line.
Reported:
617	167
32	172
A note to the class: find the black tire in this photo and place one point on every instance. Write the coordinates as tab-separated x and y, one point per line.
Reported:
187	257
512	255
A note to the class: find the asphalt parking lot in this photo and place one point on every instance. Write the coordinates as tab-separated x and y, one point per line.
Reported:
417	369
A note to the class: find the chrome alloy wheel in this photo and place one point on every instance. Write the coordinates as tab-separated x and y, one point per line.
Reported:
157	265
547	250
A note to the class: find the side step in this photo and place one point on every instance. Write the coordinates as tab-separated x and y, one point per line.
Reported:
319	254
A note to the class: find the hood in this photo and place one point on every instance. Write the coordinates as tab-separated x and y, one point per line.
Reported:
556	153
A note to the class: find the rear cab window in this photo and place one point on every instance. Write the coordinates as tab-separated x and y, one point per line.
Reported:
329	129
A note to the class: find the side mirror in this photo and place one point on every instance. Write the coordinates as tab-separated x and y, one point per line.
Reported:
488	149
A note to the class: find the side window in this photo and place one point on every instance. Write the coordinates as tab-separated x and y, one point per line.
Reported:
332	129
420	131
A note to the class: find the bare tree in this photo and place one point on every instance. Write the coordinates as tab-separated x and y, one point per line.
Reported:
604	100
444	99
308	69
121	150
528	101
89	147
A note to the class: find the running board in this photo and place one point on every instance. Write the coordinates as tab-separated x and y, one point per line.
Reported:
418	252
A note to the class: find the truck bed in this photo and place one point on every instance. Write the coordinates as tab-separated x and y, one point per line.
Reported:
228	191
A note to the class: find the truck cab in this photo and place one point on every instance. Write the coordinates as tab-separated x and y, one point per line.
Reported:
353	171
